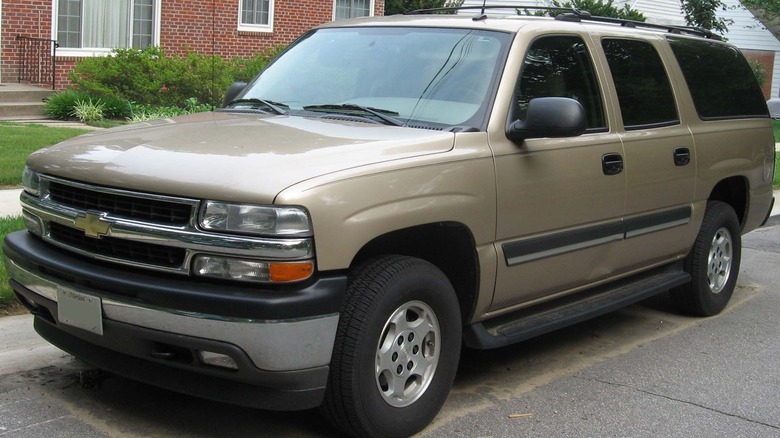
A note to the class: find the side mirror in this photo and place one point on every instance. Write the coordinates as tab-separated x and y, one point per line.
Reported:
232	92
549	117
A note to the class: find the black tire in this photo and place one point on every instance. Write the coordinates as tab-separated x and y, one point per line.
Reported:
713	263
364	370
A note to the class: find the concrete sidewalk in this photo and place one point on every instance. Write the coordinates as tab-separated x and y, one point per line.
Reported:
9	203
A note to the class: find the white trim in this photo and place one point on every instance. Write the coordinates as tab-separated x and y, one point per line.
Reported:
371	7
776	77
90	52
264	28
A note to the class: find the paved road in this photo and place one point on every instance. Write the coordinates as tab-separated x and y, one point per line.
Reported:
642	371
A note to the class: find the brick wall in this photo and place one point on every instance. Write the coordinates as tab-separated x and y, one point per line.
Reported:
767	60
204	26
31	18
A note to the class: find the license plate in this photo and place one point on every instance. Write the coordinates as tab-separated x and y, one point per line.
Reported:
80	310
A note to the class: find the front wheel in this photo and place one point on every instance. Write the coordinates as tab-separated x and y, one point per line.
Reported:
713	263
396	351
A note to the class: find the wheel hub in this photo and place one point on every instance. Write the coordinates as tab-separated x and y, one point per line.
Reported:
407	353
719	260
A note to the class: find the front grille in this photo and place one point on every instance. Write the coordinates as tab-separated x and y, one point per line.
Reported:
132	251
143	209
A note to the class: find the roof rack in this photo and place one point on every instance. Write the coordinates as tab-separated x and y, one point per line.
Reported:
578	15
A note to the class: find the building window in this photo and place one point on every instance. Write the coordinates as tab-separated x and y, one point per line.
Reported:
256	15
105	25
351	9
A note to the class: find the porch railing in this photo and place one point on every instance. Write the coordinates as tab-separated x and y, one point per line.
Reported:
37	60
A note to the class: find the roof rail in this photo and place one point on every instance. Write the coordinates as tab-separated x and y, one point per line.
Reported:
575	14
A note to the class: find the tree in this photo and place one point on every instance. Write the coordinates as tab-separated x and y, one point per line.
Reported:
704	14
393	7
768	8
598	8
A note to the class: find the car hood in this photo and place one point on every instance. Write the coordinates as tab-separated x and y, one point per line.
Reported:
230	157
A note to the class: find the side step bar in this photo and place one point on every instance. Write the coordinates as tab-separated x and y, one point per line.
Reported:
547	317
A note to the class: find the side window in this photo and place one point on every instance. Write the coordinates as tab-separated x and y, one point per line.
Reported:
721	81
641	82
560	66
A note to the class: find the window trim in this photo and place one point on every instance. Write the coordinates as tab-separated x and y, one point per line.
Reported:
88	52
371	7
262	28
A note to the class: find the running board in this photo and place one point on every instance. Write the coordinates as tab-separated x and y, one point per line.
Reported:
547	317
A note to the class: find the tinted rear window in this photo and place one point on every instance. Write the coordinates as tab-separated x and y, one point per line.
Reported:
720	79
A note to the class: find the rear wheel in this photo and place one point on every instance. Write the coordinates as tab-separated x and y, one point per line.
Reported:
396	350
713	263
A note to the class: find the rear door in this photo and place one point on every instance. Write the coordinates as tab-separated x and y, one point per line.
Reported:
659	153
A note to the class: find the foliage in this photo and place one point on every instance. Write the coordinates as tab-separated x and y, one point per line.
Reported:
7	225
393	7
152	77
768	8
142	113
61	105
19	141
759	71
597	8
88	111
703	14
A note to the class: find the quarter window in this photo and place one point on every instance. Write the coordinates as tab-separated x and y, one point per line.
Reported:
344	9
642	85
100	24
721	81
560	66
256	15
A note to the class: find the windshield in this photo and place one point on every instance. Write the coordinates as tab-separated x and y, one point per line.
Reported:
419	76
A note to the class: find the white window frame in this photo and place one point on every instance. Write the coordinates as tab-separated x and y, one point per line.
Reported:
267	28
371	7
84	52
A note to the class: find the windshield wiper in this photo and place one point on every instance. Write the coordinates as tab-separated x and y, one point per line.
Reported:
349	108
276	107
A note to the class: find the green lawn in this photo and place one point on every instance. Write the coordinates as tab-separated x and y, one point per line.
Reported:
18	141
776	125
7	224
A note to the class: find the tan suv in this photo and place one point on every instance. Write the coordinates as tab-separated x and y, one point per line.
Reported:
390	189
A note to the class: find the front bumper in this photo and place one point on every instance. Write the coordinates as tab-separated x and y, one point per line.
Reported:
280	340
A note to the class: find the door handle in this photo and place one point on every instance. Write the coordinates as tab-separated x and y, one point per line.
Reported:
682	156
612	164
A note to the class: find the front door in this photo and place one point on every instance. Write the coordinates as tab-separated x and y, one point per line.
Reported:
560	204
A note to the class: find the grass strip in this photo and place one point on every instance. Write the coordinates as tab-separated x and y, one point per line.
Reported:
18	141
7	225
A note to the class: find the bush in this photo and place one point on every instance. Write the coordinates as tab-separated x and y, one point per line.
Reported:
142	113
61	105
88	111
151	77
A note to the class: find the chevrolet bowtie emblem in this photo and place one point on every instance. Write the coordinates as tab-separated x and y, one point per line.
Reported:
93	225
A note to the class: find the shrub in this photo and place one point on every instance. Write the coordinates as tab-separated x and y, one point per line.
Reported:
88	111
142	113
61	105
151	77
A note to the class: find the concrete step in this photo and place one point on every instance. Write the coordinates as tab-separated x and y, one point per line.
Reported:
21	109
15	95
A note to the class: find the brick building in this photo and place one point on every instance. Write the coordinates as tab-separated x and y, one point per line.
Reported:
85	28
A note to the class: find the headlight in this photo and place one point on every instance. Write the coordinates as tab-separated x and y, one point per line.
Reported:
31	182
255	219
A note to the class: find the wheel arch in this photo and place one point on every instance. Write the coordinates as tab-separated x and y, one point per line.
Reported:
734	192
447	245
